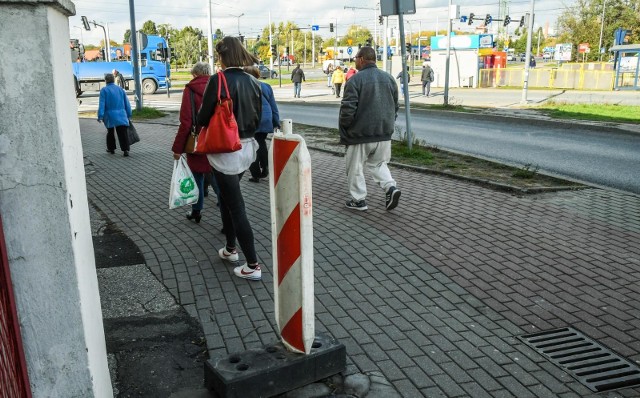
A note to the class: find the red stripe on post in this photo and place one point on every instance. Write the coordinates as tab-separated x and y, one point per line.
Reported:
292	331
289	247
282	150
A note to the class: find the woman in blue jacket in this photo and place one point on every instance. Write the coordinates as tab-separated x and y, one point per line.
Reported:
115	111
270	120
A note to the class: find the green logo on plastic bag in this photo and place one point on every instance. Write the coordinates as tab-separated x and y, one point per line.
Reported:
187	185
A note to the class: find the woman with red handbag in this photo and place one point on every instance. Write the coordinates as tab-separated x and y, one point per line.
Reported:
191	101
228	168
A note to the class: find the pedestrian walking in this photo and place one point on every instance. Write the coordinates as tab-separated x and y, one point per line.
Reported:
297	77
401	81
269	121
352	71
367	117
427	78
330	75
337	78
228	168
118	78
198	163
114	111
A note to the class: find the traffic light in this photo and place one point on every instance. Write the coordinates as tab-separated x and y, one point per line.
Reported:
487	19
102	54
331	27
380	19
286	50
408	48
241	37
369	42
522	21
274	51
470	22
85	22
507	20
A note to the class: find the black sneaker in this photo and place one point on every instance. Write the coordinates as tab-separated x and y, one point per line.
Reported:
357	204
392	196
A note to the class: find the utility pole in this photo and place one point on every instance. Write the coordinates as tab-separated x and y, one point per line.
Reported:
135	55
448	58
210	38
604	7
525	86
405	82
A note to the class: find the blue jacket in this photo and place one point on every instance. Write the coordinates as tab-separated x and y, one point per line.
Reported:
114	109
270	115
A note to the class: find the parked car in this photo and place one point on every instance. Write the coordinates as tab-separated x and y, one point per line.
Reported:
266	73
523	57
546	56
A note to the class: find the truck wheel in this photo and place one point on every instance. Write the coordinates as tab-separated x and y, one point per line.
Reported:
77	86
149	86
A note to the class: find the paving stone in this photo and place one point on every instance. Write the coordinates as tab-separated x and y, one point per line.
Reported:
475	266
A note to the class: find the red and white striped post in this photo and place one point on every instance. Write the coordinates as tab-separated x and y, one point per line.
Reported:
292	237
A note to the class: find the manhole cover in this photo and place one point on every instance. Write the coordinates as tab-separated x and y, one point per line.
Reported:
589	362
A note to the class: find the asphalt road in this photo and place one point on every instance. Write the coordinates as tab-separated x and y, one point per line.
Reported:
602	158
606	158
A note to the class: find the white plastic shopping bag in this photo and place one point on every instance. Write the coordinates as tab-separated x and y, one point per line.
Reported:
184	190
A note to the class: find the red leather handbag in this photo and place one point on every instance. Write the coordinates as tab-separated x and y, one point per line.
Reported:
221	135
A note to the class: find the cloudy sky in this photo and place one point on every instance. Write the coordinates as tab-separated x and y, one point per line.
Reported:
226	15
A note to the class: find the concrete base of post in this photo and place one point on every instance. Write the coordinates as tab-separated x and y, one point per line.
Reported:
273	369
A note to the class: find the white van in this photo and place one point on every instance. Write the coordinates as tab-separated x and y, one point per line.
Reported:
334	62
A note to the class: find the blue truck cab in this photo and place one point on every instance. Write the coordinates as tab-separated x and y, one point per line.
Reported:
154	68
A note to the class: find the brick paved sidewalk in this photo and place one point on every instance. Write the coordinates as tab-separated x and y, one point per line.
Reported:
432	294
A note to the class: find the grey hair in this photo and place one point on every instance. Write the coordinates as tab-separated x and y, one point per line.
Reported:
109	78
201	69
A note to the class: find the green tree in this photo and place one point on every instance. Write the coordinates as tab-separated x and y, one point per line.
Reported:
149	27
582	22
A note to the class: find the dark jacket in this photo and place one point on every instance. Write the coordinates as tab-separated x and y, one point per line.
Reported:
427	74
197	163
246	94
369	107
270	114
297	76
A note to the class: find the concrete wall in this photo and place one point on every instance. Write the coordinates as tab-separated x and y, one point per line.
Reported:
44	206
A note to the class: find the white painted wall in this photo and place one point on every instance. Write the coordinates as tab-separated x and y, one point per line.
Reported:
463	64
44	206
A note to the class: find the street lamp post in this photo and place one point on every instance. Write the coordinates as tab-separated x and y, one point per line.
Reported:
238	16
604	6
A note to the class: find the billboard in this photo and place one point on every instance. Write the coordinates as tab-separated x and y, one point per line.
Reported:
563	52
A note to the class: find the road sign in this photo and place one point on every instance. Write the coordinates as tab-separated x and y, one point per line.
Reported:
349	50
583	48
315	27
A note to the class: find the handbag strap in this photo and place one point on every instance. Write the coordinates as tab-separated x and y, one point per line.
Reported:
222	80
193	111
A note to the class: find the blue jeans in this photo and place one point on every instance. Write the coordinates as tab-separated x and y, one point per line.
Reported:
199	177
296	89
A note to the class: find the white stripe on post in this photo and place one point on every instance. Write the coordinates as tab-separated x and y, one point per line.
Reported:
292	237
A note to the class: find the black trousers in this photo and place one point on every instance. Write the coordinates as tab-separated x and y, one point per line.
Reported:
123	138
260	168
234	216
338	87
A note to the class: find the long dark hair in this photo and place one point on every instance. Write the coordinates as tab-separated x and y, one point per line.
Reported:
232	53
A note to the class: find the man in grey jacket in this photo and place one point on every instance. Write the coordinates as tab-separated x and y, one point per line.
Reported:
367	117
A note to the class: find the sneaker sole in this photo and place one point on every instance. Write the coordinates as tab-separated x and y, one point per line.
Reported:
395	198
358	208
251	278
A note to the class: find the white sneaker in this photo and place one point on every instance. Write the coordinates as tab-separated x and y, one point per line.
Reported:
254	274
225	255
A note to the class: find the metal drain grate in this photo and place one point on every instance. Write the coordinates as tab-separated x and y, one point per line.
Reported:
590	363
